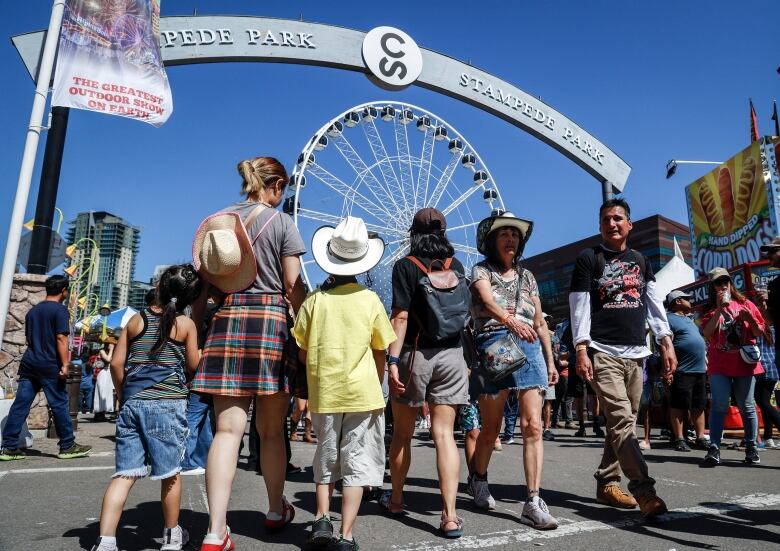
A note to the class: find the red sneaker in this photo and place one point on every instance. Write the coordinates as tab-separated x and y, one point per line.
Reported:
274	522
215	545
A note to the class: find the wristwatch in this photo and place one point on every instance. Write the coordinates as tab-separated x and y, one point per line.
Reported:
393	360
581	346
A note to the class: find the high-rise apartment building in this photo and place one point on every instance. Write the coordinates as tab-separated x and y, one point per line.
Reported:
117	242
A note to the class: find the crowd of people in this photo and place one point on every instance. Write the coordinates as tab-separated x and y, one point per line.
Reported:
236	330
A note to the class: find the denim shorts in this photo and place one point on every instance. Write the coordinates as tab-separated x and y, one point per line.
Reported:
532	375
151	438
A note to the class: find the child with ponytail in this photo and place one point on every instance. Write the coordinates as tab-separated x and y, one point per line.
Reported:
148	366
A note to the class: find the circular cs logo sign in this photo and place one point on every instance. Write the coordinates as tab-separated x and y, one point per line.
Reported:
392	56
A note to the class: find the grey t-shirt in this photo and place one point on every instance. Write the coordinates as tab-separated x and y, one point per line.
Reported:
280	238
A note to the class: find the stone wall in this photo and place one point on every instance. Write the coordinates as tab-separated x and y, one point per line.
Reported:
28	290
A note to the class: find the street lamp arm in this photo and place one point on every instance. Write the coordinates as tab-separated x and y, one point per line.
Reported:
671	166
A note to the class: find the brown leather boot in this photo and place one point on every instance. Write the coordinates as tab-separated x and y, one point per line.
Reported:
614	495
307	437
651	505
294	430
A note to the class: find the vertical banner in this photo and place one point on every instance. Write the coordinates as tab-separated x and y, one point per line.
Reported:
109	60
729	212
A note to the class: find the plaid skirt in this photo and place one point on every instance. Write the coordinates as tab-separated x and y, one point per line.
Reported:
249	350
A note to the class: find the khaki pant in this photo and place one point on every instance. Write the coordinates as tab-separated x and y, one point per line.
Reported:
618	384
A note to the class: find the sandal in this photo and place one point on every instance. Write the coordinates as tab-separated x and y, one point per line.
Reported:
455	529
393	509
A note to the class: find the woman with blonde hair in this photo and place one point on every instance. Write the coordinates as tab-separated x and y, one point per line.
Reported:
249	253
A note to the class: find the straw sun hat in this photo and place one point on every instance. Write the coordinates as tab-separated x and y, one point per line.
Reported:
347	249
222	253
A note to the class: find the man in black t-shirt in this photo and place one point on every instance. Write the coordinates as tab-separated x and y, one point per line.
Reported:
44	366
611	299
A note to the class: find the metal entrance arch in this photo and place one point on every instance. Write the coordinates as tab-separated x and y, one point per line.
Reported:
209	39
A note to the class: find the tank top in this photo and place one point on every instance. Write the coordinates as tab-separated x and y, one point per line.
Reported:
154	376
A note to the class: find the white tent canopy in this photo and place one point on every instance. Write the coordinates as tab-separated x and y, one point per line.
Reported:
674	275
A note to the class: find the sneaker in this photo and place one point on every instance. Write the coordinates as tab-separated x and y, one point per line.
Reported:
101	545
559	424
212	542
321	532
497	447
703	443
481	493
580	432
598	432
614	496
680	445
509	440
538	516
294	469
10	454
548	435
274	522
174	539
712	458
345	545
644	445
651	505
770	444
469	489
570	425
751	456
193	472
76	450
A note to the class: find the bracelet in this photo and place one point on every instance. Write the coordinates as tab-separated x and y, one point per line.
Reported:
393	360
581	346
506	318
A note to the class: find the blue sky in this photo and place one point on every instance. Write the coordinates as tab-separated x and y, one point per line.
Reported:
651	80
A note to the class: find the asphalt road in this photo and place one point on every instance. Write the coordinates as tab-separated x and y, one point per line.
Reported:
50	504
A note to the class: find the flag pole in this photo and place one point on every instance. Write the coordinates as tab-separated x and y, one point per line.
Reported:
28	160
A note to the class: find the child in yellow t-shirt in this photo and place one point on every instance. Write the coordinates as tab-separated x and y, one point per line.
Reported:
343	331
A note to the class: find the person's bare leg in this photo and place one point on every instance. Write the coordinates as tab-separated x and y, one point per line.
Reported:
170	497
677	422
401	448
114	503
273	456
447	456
351	496
579	407
324	493
533	450
546	414
469	447
491	410
648	428
231	415
697	417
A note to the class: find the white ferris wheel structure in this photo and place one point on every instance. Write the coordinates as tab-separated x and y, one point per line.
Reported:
383	161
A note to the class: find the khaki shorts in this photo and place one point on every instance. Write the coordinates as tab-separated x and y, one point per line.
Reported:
439	376
350	448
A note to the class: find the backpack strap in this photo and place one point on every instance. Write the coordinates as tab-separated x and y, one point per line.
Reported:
253	215
264	226
419	264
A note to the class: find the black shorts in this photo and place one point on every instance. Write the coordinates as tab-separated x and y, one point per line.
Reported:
577	386
688	391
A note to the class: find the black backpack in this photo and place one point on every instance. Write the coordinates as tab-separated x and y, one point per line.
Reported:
447	299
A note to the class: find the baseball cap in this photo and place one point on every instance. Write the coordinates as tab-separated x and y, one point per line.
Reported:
772	245
674	295
717	273
428	220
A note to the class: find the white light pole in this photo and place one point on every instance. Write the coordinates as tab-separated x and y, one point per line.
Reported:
28	160
671	166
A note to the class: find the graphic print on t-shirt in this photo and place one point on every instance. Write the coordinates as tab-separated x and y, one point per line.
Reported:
621	284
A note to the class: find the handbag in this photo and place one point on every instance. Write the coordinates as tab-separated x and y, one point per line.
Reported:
750	353
504	356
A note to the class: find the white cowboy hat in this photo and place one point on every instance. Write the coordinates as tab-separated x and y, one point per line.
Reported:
506	219
347	249
222	253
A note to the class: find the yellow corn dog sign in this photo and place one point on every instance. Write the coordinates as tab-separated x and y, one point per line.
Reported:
729	211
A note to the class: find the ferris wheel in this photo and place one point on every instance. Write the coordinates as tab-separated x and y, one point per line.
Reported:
383	161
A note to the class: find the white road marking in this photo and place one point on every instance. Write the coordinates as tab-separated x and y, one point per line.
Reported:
509	537
56	470
676	482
